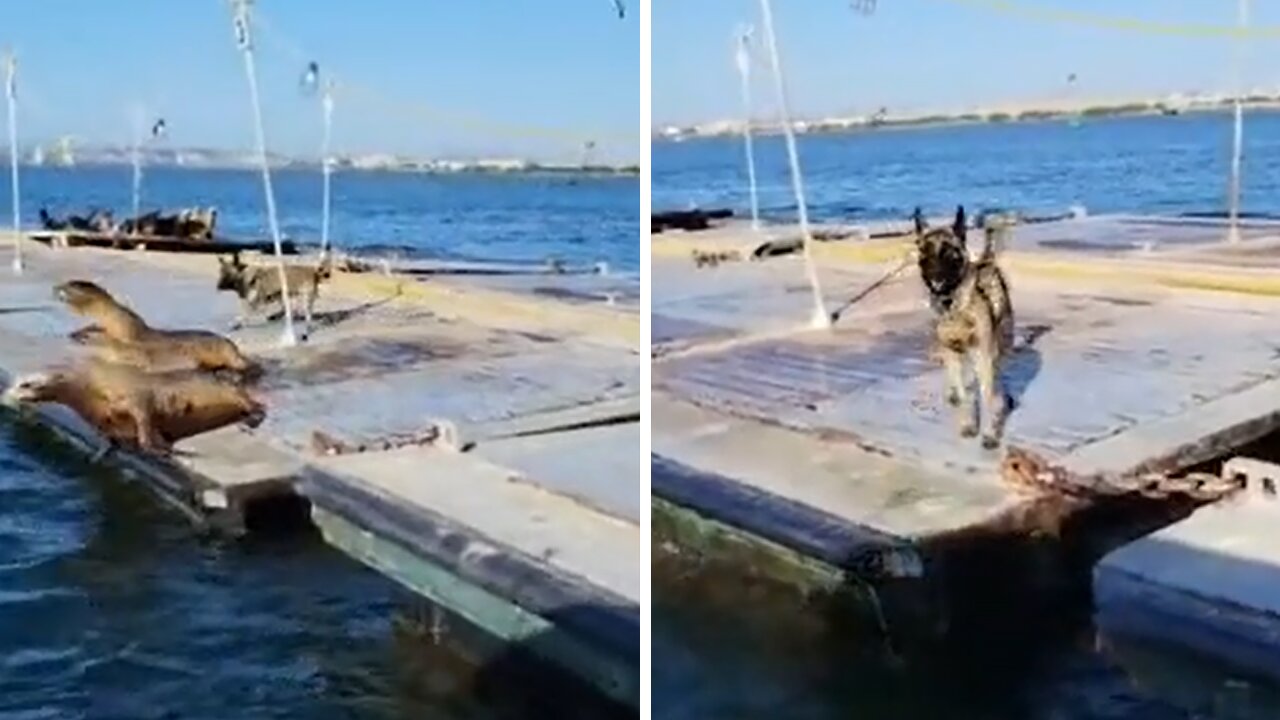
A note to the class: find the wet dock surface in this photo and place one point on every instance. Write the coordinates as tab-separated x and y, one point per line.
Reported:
546	393
1123	363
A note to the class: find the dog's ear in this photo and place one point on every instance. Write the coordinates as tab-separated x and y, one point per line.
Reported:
961	225
917	217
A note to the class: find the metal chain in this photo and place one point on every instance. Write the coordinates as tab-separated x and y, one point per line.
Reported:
1024	470
1198	486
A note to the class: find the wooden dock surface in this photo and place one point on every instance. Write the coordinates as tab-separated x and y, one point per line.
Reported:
774	430
545	391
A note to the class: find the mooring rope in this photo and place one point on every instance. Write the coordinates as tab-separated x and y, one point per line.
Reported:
11	93
820	317
888	275
742	60
158	130
1237	135
311	80
244	40
1110	22
295	50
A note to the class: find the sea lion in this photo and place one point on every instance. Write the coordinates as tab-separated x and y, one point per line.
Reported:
49	222
160	355
116	326
197	223
144	224
147	411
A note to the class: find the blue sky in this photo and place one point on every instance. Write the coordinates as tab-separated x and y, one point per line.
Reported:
568	65
935	54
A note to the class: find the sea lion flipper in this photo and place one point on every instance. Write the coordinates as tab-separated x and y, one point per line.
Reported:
147	434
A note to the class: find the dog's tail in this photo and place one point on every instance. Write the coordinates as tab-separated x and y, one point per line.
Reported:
325	270
917	219
995	233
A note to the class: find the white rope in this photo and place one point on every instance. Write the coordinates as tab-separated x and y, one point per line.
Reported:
326	169
1237	138
820	317
11	93
244	40
138	116
742	58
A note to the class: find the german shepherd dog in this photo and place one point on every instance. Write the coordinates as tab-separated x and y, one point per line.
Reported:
974	319
259	287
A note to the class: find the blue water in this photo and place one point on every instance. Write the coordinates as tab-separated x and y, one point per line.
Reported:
578	219
726	649
113	606
1140	164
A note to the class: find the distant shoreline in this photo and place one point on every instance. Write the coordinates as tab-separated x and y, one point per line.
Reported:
188	159
884	121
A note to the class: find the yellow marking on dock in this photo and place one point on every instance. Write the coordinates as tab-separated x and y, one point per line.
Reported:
860	251
1179	274
451	297
495	308
1219	279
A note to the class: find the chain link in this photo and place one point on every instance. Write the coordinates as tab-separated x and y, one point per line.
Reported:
1024	470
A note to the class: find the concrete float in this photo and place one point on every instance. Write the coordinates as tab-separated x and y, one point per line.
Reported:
1209	584
827	459
477	445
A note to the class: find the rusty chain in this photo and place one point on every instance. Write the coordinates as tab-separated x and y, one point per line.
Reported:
1025	470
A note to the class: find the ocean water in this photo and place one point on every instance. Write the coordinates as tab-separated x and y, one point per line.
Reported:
727	648
1164	165
113	606
519	218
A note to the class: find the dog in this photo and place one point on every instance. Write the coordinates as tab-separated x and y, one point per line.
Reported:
259	287
974	319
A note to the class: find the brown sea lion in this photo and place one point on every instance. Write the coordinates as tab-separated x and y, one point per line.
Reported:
147	411
197	223
116	326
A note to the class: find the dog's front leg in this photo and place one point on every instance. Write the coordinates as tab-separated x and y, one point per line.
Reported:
958	393
311	305
242	316
994	400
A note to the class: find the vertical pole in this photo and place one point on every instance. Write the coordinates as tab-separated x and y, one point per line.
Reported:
821	318
244	40
743	58
1237	138
11	93
326	169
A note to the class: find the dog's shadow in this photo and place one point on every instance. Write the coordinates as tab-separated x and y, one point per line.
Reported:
1025	363
333	318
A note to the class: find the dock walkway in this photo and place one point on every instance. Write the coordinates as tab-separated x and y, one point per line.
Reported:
1143	345
533	533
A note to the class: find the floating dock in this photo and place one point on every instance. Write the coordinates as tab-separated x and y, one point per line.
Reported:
1146	346
1209	584
154	243
488	439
